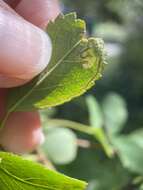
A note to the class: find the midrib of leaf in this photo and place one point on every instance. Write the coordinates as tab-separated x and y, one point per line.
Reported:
38	83
45	76
23	181
58	63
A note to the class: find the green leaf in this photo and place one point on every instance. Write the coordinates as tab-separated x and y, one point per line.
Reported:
96	121
100	172
75	65
130	151
19	174
100	135
115	111
60	145
95	112
141	187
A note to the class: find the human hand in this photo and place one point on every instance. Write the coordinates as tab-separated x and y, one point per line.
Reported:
25	51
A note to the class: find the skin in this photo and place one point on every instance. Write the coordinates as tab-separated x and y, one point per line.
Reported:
25	52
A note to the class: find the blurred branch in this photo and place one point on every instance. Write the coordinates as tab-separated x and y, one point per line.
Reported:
71	124
43	160
83	143
96	132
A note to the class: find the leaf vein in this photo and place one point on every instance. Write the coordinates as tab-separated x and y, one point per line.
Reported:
23	181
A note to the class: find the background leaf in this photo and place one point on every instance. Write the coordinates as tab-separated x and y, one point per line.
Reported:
115	112
101	172
95	112
60	145
130	151
96	121
141	187
19	174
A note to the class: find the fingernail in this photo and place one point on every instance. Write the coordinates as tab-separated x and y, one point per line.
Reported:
25	49
39	136
38	12
42	139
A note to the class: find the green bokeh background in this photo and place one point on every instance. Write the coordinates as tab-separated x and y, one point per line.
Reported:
120	24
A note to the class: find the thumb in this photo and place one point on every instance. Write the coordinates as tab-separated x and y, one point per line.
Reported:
38	12
25	50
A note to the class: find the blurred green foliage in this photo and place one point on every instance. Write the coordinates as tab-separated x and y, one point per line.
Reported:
117	110
60	145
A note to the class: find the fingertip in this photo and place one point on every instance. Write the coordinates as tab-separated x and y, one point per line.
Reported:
22	133
38	12
25	50
12	3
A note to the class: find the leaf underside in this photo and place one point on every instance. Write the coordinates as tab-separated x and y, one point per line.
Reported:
76	63
19	174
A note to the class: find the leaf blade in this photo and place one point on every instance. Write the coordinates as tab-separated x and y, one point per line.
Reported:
95	112
115	112
97	122
129	149
32	176
74	66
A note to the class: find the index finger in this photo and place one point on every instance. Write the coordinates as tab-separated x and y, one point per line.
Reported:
25	49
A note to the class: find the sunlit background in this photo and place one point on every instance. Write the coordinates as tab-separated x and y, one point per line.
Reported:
115	104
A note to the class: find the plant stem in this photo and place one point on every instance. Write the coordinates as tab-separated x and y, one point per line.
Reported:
42	158
72	125
95	132
83	143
